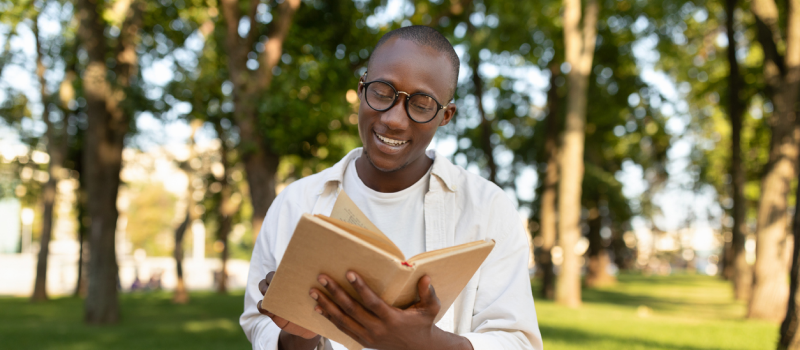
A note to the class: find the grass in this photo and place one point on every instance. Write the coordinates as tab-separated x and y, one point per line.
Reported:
675	312
149	321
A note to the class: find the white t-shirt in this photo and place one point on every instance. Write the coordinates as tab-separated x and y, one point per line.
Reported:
399	215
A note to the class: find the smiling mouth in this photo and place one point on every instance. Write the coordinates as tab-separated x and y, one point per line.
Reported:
390	142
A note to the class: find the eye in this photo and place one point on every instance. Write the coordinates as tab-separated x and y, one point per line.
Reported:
422	103
381	91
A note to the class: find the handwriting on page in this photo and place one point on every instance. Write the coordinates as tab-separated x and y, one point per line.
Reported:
352	218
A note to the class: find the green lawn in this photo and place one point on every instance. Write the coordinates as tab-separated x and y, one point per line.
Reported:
676	312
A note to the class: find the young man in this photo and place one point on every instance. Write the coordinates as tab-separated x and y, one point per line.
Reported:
422	202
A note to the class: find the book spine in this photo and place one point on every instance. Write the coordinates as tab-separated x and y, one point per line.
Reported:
397	283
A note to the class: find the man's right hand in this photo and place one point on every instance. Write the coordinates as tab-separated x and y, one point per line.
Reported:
281	322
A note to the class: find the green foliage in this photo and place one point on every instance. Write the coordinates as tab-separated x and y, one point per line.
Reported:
693	55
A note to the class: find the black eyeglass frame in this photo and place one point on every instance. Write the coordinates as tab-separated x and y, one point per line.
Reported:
396	95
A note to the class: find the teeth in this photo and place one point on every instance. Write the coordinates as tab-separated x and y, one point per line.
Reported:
390	141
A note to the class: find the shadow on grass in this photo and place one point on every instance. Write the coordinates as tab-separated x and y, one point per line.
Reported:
149	321
664	304
586	340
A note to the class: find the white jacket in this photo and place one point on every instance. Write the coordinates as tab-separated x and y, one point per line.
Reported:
494	311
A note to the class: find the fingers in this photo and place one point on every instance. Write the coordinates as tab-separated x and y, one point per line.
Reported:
264	284
369	299
332	311
346	303
262	287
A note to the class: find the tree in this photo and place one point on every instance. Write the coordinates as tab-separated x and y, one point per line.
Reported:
741	273
261	162
791	322
782	75
579	50
108	124
56	148
226	208
548	213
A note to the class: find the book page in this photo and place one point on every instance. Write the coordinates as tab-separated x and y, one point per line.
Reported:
346	210
379	241
450	270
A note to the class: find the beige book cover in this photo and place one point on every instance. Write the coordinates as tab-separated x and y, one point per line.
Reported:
349	241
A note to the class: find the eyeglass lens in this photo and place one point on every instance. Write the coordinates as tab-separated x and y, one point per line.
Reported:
381	96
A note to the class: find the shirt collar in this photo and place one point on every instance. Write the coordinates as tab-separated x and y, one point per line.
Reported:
442	168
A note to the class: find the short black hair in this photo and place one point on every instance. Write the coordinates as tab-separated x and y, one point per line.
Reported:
426	36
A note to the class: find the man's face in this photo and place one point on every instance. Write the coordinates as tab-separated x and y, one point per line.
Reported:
411	68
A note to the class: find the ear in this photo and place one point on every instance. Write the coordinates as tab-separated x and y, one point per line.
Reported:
449	112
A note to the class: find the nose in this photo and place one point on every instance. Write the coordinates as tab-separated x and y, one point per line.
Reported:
396	118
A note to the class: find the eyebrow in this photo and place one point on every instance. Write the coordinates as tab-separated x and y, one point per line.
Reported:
430	93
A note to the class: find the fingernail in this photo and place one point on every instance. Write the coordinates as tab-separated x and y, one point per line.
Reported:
314	295
318	310
322	281
351	277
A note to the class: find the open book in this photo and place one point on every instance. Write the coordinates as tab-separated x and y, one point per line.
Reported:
349	241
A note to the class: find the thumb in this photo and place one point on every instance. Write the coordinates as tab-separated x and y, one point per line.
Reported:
427	295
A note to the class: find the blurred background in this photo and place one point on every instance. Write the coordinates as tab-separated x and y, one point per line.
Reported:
651	148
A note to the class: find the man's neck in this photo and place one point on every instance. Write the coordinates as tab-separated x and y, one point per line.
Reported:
392	181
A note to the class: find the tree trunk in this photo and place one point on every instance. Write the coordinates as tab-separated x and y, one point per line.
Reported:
598	260
181	296
791	324
261	163
49	190
225	211
770	290
741	274
579	45
81	285
547	213
486	124
107	126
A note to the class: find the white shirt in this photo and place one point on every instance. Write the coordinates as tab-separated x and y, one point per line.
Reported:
494	311
399	215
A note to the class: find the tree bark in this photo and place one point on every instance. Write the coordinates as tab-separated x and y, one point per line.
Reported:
261	163
579	45
770	290
181	296
741	274
791	323
486	124
107	126
49	190
547	213
225	211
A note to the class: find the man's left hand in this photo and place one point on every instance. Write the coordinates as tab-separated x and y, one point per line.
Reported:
378	325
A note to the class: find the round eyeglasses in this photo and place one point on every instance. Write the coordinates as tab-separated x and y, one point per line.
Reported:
420	107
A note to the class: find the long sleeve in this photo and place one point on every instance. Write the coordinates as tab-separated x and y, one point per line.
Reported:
260	329
504	316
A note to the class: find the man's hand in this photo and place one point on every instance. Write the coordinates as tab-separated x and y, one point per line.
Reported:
290	332
378	325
